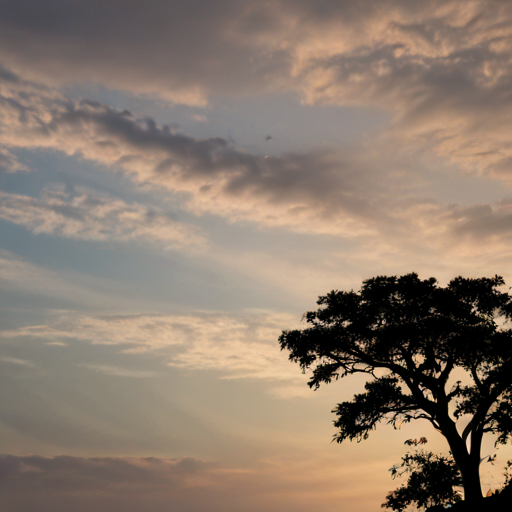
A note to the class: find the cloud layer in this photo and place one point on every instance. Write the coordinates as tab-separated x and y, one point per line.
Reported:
154	484
362	192
319	191
233	346
442	69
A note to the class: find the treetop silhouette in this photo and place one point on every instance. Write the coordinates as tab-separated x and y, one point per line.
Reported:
408	335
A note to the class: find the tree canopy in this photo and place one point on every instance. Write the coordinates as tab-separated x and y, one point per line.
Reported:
409	335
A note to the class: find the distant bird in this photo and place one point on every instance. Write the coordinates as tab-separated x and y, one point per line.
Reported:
268	137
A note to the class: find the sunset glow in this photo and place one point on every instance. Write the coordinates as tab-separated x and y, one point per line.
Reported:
179	182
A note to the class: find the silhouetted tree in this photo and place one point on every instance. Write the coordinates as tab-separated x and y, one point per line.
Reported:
431	481
408	335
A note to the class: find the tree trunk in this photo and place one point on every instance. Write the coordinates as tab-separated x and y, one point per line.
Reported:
470	473
467	462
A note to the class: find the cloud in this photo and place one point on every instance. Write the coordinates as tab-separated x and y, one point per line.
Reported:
178	51
200	118
442	69
476	230
17	272
234	346
139	332
9	163
87	215
101	475
154	484
329	191
241	358
116	371
16	361
483	222
369	191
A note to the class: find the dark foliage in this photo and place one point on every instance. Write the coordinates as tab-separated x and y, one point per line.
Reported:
408	335
432	481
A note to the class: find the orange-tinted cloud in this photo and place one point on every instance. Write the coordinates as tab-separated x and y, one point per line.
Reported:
442	69
235	346
365	191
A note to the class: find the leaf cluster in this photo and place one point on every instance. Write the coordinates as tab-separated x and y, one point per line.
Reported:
431	481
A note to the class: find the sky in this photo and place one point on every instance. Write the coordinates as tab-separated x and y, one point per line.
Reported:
179	182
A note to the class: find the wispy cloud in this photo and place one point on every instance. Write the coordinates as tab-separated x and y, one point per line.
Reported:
116	371
9	163
234	346
200	118
16	361
88	215
57	344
